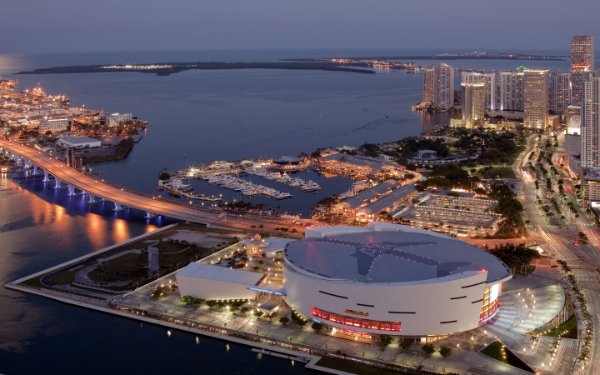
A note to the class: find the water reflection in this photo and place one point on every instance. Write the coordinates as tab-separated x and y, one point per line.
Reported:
36	234
121	231
150	228
95	230
431	122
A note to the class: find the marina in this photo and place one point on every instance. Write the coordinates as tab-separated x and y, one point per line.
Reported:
246	187
230	175
77	232
178	188
284	178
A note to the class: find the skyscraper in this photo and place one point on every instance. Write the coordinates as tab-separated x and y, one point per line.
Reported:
511	91
573	114
590	122
438	87
573	136
582	61
535	95
473	102
582	53
560	92
489	79
429	85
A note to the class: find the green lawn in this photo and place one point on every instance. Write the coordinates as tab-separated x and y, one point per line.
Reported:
353	367
514	155
497	171
63	277
167	246
127	267
35	282
570	327
174	257
192	228
497	351
494	350
131	268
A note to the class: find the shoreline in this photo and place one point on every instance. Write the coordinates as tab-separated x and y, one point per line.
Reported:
164	69
262	342
490	56
259	343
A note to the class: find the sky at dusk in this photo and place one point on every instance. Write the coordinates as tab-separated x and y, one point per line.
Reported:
143	25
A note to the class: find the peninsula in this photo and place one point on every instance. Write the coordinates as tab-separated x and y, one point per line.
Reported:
169	68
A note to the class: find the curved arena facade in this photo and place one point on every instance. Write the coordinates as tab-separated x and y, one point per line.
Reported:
392	279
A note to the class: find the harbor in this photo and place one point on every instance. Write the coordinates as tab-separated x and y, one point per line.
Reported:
284	178
237	176
139	171
176	187
246	187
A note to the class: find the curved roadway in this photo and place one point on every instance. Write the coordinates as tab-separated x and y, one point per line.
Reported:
98	188
583	260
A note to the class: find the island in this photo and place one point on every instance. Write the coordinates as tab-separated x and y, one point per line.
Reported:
176	67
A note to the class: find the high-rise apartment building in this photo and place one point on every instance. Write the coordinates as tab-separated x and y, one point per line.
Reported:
535	99
573	119
438	87
560	92
590	122
510	91
582	61
473	102
573	136
577	83
429	85
490	88
582	53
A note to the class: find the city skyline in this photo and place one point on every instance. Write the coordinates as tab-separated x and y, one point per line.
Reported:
365	187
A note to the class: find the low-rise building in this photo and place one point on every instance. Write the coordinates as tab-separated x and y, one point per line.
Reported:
358	166
385	203
372	202
54	125
591	186
71	141
366	196
115	119
431	157
553	122
210	282
361	282
458	216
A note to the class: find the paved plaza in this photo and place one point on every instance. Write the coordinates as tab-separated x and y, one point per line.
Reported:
521	298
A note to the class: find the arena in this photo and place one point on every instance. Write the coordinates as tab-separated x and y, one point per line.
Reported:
391	279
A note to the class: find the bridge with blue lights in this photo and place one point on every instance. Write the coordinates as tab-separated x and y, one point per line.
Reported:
58	173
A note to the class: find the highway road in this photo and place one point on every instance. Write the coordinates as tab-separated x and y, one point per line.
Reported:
99	188
560	241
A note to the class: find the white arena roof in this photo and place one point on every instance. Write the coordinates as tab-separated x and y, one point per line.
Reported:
77	140
386	255
217	273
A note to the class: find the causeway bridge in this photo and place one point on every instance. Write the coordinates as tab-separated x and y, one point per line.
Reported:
58	173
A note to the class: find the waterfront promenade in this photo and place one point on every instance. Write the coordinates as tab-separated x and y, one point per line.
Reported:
301	343
98	188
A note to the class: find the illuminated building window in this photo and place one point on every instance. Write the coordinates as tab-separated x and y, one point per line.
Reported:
355	322
489	306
